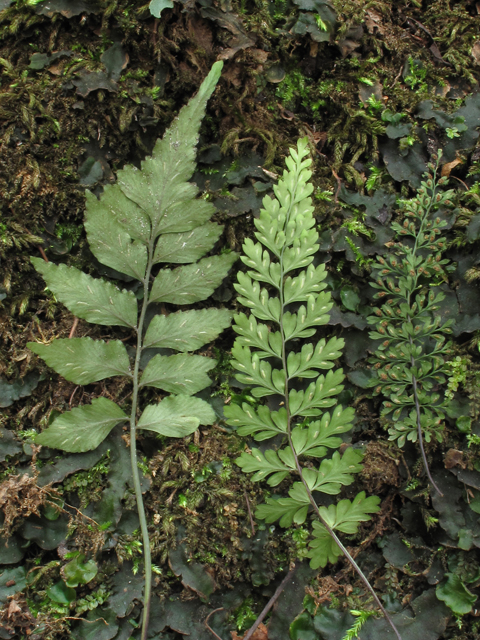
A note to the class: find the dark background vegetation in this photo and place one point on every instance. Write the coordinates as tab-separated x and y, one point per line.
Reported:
87	87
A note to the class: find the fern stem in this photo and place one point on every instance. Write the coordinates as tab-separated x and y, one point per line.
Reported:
144	528
269	605
419	234
420	437
339	543
147	556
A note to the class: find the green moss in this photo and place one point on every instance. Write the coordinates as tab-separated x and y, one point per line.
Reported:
416	76
293	90
245	615
88	484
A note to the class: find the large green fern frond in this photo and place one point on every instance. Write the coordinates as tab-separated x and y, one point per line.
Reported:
150	215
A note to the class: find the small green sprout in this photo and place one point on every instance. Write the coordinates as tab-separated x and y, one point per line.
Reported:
324	195
452	132
320	23
362	616
366	81
182	500
374	104
374	180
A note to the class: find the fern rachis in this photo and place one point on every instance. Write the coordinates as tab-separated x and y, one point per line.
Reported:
148	217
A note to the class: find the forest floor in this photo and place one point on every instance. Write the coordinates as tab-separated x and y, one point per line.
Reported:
377	87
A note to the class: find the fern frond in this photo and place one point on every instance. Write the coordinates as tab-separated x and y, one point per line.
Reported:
148	216
284	290
410	363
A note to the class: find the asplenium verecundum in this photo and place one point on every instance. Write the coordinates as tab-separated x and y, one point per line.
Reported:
410	362
150	216
286	295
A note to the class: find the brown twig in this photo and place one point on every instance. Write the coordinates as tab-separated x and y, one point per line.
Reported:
208	626
269	604
398	76
71	397
73	329
339	184
127	338
455	178
43	254
70	506
252	523
85	619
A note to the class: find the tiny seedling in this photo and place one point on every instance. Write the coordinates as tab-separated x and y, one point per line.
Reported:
149	216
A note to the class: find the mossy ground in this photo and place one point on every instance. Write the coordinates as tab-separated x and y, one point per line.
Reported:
383	54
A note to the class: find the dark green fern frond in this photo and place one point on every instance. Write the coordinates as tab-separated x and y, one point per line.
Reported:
410	362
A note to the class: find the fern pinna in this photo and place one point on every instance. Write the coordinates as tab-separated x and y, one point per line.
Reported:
287	310
410	362
150	216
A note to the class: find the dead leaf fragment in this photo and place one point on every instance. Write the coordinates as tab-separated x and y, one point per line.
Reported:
56	69
476	52
436	53
232	23
347	46
231	51
87	82
201	32
442	90
13	608
15	619
259	55
453	458
233	73
373	21
351	41
285	113
448	166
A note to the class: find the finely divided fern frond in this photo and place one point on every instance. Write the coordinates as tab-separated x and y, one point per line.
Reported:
410	362
287	299
149	216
